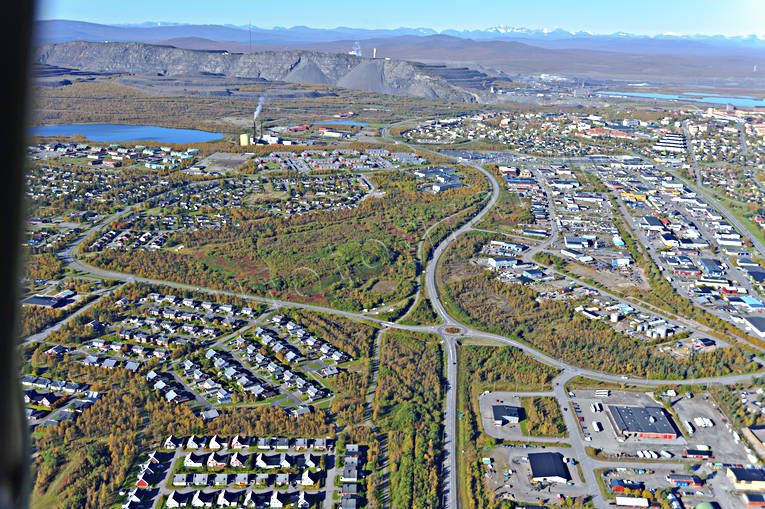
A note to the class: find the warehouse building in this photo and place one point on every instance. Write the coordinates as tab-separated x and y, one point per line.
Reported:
756	324
747	479
548	467
640	422
505	414
753	499
712	267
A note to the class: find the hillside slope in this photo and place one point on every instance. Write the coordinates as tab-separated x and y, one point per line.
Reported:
294	66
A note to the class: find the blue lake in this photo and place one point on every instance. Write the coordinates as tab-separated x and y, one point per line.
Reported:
341	122
123	132
694	97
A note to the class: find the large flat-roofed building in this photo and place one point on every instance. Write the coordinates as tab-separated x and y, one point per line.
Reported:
753	499
548	467
747	479
45	301
503	414
756	435
756	324
640	422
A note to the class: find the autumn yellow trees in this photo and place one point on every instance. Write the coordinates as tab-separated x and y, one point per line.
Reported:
408	405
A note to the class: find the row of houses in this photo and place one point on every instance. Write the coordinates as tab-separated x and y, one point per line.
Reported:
139	350
260	460
274	499
307	479
110	363
305	339
43	383
241	442
209	307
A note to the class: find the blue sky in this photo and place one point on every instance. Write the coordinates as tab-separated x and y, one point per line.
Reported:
727	17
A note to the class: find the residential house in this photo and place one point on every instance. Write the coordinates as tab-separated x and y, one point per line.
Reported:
178	499
282	480
202	499
308	478
199	480
238	460
216	443
240	442
216	460
180	480
194	460
228	498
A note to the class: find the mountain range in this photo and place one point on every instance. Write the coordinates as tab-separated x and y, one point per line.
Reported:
393	77
67	30
452	65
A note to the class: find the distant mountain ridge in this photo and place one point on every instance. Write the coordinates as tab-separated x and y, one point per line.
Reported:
67	30
294	66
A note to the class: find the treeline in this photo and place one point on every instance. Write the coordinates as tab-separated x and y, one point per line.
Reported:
422	314
730	401
552	326
543	417
33	319
44	266
353	337
408	405
504	368
97	450
350	390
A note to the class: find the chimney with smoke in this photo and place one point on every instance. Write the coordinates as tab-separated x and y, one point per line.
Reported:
255	120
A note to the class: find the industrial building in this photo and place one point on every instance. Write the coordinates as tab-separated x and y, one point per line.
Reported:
505	414
747	479
756	324
640	422
682	480
712	267
45	301
548	467
753	499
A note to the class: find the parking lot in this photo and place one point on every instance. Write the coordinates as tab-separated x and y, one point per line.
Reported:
508	431
510	473
718	436
607	440
651	476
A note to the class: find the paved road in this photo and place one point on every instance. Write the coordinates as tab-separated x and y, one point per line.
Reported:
577	443
449	468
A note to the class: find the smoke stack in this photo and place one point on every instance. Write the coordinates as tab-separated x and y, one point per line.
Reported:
374	52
